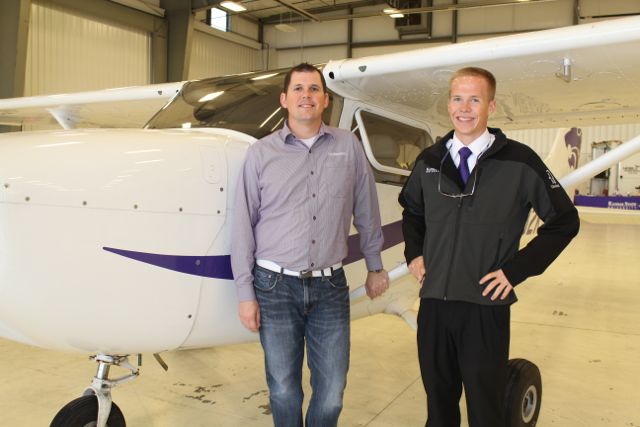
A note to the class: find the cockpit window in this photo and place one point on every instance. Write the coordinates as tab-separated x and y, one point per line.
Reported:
394	146
248	103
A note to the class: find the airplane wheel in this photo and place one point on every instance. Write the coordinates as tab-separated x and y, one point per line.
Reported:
83	412
523	394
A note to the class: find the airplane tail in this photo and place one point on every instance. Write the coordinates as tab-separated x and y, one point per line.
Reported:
562	160
565	154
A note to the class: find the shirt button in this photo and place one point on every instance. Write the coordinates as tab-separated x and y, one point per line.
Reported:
312	264
313	241
314	217
313	195
311	172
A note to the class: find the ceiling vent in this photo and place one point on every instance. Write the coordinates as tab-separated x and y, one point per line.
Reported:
414	23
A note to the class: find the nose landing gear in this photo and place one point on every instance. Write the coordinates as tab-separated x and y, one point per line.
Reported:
96	408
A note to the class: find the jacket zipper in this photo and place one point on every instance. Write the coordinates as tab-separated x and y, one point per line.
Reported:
453	249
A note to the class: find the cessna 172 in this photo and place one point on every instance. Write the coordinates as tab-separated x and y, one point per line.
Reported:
94	223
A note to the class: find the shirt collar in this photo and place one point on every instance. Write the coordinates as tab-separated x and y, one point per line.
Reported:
287	136
479	145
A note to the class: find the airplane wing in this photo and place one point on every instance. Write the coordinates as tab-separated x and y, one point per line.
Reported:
101	108
581	75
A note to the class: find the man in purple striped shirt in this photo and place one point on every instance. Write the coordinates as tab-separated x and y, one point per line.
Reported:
297	193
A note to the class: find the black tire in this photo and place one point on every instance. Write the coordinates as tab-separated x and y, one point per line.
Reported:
83	412
523	395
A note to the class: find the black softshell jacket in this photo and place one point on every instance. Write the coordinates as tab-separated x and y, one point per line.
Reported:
462	239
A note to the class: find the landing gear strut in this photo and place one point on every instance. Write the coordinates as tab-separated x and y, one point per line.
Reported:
95	408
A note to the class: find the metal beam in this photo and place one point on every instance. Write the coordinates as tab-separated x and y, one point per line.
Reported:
350	36
276	18
446	8
298	10
454	24
181	21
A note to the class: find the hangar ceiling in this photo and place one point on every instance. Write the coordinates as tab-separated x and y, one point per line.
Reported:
273	11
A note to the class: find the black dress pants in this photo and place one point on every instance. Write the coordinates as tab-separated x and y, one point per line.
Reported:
463	343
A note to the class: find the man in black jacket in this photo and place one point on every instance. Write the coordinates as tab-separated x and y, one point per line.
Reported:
465	207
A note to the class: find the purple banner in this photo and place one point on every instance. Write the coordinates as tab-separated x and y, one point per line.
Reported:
613	202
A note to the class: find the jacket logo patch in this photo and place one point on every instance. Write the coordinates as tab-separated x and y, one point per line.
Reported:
552	179
431	170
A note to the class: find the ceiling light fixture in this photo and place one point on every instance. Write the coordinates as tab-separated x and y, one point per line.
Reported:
285	28
235	7
393	13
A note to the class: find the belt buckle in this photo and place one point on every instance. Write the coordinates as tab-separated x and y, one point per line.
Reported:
305	274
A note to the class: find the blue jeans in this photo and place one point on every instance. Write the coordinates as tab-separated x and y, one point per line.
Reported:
293	310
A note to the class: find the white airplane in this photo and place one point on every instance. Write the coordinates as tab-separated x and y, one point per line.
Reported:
115	242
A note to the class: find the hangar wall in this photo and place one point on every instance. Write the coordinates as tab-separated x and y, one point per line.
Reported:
69	52
541	141
319	42
213	56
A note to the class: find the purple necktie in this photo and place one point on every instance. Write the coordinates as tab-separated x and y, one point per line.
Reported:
463	167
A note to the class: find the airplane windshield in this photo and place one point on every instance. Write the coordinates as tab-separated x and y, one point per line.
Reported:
248	103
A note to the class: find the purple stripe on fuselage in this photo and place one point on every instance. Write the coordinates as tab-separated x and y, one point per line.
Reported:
219	266
215	266
392	236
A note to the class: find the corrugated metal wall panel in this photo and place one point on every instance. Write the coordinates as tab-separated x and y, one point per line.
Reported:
212	56
70	53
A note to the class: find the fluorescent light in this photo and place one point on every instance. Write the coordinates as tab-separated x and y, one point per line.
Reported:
393	13
285	28
210	96
233	6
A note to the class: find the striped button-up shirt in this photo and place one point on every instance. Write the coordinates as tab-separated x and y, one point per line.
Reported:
294	205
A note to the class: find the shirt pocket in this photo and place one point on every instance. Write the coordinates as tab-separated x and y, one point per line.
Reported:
336	177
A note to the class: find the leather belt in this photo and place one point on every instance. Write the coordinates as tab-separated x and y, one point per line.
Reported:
304	274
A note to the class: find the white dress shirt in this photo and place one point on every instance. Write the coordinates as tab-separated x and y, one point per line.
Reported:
477	147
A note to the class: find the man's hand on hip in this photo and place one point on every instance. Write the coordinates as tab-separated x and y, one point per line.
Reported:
249	312
498	281
376	283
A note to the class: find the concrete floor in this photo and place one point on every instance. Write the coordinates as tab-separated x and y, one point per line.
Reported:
579	322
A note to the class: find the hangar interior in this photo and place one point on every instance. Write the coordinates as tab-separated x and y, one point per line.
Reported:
65	46
578	321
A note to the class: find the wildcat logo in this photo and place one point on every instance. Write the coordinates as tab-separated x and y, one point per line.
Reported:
431	170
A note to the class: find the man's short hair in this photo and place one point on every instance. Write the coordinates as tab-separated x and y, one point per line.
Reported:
303	67
477	72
